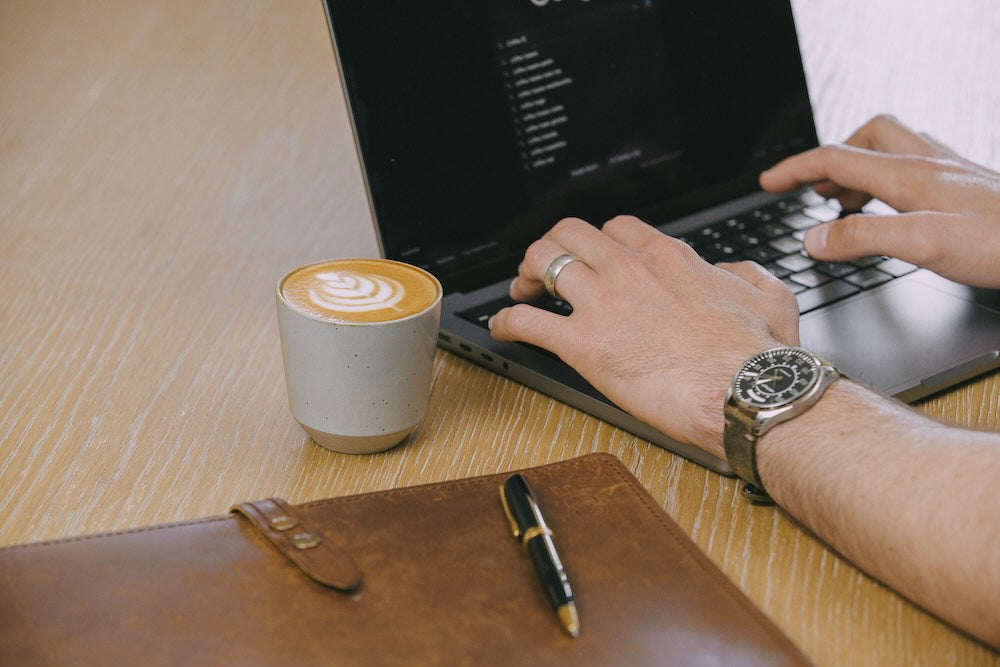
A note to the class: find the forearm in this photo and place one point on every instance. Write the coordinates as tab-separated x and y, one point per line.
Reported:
905	498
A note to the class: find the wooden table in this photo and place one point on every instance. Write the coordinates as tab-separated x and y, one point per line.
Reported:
162	163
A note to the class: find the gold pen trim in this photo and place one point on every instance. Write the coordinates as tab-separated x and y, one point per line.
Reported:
570	619
510	517
533	532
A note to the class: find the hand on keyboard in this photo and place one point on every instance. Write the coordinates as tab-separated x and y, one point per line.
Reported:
654	328
949	218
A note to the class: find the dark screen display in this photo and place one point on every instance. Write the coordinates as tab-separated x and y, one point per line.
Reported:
482	123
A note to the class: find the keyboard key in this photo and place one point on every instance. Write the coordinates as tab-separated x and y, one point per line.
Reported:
761	215
559	307
787	244
794	286
877	207
864	262
812	198
822	212
749	239
733	225
836	269
718	251
796	263
763	254
811	299
799	221
896	267
725	250
810	278
773	230
710	233
777	271
868	278
789	205
482	313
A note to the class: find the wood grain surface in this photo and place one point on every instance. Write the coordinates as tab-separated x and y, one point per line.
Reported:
163	163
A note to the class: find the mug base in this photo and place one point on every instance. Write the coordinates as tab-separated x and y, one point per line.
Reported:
364	444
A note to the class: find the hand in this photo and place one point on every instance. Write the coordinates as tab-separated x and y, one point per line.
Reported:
949	218
654	328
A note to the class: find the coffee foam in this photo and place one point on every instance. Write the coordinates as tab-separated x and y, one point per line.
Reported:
360	290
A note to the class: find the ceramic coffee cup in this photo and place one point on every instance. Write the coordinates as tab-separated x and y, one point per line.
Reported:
358	337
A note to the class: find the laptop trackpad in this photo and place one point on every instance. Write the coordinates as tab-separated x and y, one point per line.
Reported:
904	333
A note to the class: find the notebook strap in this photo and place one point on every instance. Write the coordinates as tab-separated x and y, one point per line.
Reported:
317	556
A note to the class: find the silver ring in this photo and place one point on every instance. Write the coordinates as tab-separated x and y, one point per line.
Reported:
551	273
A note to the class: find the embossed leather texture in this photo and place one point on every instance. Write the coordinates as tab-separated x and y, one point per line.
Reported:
443	582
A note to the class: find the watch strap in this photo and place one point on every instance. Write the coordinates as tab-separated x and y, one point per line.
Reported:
743	428
741	451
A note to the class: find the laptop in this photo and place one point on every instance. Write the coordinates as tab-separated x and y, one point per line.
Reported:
481	123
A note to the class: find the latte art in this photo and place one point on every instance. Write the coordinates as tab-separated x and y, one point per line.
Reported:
360	290
355	292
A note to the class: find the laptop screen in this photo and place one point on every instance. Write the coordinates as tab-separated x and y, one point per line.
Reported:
481	123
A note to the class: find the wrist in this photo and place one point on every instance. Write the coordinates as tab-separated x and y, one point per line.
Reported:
770	388
708	424
781	450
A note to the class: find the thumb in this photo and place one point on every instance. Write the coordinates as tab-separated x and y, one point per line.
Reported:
911	237
526	323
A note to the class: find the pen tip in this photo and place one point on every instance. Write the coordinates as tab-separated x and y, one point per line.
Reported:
570	619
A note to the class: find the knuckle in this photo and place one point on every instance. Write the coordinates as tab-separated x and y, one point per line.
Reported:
672	248
567	225
622	221
750	265
883	120
519	318
828	151
538	253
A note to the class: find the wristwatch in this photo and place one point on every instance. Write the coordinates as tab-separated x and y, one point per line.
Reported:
769	388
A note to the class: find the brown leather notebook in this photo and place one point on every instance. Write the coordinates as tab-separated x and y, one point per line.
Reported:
421	575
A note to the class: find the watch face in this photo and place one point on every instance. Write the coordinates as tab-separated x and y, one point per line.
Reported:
775	377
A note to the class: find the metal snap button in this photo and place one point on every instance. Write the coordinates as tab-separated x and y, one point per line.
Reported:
305	540
283	522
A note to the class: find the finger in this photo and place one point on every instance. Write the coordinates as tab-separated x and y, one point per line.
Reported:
753	273
530	325
631	231
582	240
850	200
944	149
573	280
885	133
779	301
912	237
896	180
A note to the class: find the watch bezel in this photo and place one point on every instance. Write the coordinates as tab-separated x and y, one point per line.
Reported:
749	403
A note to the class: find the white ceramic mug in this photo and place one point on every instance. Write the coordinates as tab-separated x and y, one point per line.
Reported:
358	337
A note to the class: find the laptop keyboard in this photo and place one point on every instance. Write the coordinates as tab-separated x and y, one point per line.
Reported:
771	236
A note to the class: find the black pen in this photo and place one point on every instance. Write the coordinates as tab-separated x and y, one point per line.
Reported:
528	525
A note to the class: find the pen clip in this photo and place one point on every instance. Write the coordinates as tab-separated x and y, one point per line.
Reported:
510	517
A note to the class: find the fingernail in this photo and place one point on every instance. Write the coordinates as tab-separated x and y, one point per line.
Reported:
489	322
815	240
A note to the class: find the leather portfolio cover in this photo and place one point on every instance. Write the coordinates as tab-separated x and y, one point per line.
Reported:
422	575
